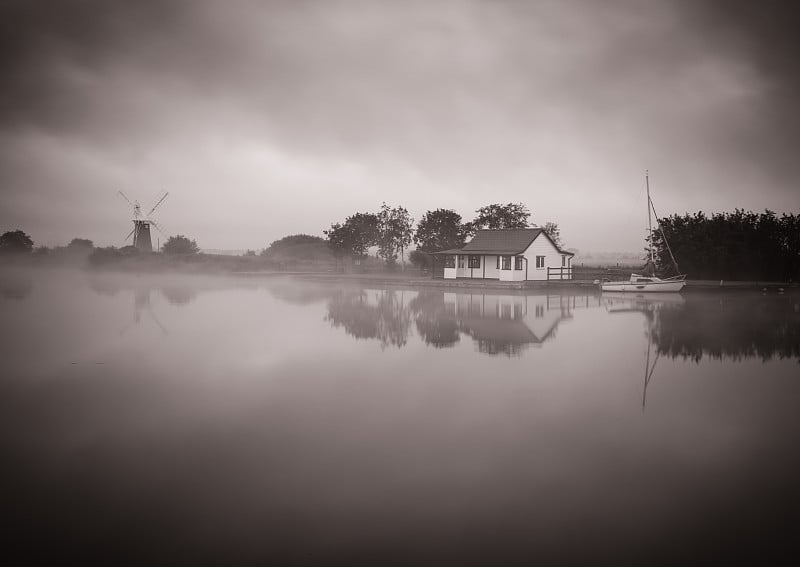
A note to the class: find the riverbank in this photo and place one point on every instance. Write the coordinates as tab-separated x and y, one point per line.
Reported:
418	280
243	267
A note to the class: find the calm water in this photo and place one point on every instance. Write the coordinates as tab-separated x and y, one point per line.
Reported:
169	419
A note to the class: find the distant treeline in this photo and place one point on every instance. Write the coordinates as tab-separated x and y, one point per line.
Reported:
742	245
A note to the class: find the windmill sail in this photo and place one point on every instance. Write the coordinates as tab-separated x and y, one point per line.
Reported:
142	239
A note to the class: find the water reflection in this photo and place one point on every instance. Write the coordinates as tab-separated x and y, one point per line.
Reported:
228	423
15	286
506	324
730	326
498	324
435	323
143	306
372	314
178	295
740	325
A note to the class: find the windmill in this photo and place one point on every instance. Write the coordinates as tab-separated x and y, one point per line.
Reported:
142	223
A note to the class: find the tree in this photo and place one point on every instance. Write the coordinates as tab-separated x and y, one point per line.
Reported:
298	247
354	236
420	259
15	242
396	231
107	255
180	245
496	216
739	245
80	244
551	229
441	229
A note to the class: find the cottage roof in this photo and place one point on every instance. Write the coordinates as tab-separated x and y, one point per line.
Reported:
500	241
501	331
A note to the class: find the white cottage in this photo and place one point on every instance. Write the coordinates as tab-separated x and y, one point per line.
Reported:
522	254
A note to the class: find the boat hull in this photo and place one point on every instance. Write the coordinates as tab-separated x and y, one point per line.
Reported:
644	287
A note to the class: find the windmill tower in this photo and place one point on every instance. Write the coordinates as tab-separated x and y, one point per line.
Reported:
142	223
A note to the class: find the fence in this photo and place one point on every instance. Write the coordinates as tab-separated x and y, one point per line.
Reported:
563	273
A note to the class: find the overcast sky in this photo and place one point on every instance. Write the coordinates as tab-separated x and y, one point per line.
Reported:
264	119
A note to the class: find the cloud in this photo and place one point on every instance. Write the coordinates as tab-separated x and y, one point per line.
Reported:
559	104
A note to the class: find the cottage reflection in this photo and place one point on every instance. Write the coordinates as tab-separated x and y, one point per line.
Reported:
507	324
499	324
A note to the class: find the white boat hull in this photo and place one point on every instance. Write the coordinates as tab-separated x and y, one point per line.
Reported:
646	284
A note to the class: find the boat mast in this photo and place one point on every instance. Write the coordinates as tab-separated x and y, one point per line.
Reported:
649	221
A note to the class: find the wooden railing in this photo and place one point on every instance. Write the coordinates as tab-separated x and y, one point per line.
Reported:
563	273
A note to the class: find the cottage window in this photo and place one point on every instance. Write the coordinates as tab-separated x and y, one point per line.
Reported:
540	261
506	262
474	261
461	261
517	262
449	261
563	261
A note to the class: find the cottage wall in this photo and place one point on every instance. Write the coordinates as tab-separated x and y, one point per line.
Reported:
542	246
491	267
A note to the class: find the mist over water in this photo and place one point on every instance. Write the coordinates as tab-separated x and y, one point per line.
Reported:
163	419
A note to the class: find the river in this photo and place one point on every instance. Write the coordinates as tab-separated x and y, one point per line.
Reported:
169	419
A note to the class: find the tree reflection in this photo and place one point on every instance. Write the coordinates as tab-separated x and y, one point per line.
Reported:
372	314
15	286
498	324
734	326
104	286
435	323
288	291
178	295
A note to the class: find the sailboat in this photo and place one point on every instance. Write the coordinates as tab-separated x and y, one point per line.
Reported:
649	283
